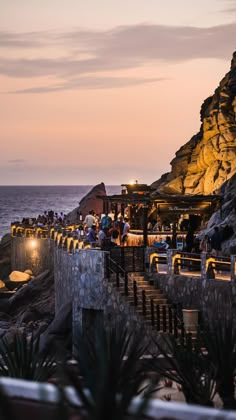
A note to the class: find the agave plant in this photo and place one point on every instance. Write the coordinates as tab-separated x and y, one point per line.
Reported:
220	341
188	366
22	359
111	372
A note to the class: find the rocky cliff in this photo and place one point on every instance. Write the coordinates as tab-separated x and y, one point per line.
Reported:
89	202
208	160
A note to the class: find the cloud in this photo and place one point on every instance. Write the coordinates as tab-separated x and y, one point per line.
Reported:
90	83
86	54
229	8
16	161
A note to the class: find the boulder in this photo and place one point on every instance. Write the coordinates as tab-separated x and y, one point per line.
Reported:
58	333
89	202
5	256
35	298
19	276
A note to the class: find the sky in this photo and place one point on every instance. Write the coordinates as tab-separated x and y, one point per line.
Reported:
105	90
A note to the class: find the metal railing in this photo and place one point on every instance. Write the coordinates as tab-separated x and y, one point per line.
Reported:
161	317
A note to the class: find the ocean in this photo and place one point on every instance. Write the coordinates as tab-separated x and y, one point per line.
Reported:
17	202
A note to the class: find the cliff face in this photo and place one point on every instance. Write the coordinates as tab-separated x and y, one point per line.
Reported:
203	164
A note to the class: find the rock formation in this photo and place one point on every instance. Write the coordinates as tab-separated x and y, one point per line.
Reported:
89	202
5	256
203	164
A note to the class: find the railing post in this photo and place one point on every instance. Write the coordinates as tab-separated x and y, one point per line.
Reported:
152	313
107	262
135	293
126	284
233	268
171	256
175	322
144	301
170	320
122	251
204	268
117	279
164	317
158	318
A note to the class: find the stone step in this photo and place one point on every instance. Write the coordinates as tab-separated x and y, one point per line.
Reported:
148	298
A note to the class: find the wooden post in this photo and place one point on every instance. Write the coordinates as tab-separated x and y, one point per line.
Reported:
145	231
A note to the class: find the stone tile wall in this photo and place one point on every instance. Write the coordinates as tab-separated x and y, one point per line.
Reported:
208	296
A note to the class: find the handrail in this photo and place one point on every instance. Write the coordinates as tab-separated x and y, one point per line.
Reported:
125	274
143	301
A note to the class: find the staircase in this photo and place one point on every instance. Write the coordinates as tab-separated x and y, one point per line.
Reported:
148	302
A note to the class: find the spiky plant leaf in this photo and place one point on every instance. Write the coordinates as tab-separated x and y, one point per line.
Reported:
220	340
22	359
111	371
188	366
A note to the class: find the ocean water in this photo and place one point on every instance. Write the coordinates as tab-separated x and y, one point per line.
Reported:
17	202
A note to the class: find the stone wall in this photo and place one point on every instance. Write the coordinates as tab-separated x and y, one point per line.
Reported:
192	293
63	269
81	278
31	253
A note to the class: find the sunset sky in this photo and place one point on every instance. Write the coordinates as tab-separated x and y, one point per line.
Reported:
105	90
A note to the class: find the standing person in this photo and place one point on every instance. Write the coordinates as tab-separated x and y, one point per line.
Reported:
106	221
89	220
205	244
121	225
124	236
115	233
216	240
92	235
190	240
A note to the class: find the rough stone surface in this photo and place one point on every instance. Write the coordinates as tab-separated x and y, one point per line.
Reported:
36	299
203	164
5	256
83	281
209	297
207	163
89	202
59	331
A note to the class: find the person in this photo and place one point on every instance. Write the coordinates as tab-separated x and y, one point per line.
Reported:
124	236
104	239
101	236
106	221
190	240
89	220
92	235
115	234
216	242
205	244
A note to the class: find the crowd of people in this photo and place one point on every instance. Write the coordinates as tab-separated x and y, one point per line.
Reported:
46	219
104	231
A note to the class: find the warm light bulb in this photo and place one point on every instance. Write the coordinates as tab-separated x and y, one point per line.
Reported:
132	182
33	243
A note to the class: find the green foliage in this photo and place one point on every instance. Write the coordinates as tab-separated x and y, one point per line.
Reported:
187	365
22	359
111	372
220	341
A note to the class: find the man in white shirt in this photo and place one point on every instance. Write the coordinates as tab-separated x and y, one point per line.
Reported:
89	220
